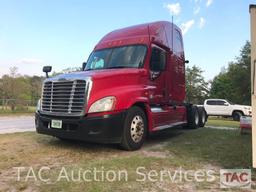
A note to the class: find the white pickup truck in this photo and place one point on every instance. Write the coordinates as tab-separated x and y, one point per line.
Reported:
221	107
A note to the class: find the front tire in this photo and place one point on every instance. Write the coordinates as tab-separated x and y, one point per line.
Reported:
135	129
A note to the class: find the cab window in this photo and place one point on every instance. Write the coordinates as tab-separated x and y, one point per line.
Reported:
211	102
158	59
220	103
178	46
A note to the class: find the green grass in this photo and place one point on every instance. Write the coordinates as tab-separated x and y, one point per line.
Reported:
222	122
189	149
228	149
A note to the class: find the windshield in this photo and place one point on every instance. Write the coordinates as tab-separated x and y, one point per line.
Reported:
118	57
231	103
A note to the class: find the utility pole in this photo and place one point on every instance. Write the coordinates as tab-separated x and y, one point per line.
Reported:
252	11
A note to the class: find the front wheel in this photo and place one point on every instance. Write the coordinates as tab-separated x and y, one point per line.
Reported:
237	115
135	128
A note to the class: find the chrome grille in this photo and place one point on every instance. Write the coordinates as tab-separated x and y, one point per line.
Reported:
64	97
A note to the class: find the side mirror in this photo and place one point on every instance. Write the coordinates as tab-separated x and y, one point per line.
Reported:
226	104
154	74
47	69
186	61
83	65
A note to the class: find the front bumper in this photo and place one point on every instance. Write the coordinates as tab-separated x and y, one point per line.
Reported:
102	129
248	113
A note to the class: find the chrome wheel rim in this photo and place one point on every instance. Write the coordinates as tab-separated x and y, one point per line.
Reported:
137	129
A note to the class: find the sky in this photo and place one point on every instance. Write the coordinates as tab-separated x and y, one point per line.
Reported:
62	33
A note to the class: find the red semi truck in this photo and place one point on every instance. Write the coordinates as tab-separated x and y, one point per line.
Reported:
132	85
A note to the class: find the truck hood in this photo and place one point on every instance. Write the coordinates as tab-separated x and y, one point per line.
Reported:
98	74
243	107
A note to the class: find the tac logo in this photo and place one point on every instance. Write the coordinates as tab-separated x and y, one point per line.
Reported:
235	178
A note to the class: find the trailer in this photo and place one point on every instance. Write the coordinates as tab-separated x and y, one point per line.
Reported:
132	85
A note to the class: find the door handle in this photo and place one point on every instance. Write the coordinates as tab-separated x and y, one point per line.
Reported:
164	92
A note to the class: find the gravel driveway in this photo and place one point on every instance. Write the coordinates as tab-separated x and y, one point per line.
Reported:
10	124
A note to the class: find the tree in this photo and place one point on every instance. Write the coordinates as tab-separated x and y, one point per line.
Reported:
2	93
234	83
14	87
221	87
35	83
196	87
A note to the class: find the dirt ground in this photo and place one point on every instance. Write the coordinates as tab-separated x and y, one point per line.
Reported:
201	149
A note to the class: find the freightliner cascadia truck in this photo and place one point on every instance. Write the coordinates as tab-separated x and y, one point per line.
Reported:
132	85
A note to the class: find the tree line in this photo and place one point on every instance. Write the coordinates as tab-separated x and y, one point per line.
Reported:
17	91
232	83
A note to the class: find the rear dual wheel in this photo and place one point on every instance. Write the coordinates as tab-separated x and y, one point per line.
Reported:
202	116
193	117
197	117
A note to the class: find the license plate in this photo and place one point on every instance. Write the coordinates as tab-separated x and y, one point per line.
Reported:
57	124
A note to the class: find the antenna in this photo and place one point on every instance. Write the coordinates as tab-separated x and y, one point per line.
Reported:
172	33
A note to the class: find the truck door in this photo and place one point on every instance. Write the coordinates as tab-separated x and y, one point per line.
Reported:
223	108
217	107
159	96
210	107
157	76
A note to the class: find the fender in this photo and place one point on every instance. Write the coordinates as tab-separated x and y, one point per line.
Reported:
126	96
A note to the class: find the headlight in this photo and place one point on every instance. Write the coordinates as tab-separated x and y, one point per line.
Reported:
104	104
38	107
